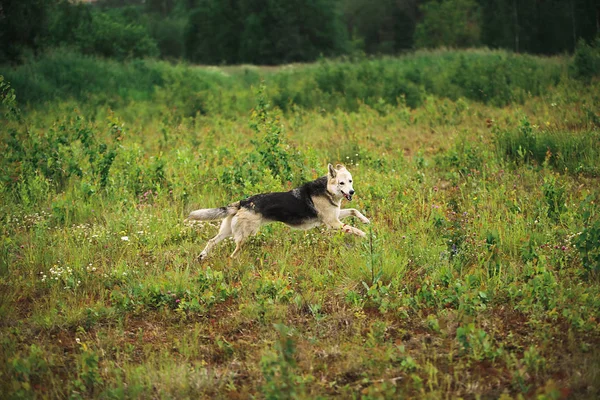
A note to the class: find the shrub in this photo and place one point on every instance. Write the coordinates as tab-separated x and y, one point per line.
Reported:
493	77
110	37
69	148
588	240
586	60
574	152
168	34
454	23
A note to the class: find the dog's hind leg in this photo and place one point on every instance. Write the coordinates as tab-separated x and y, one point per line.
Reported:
238	248
355	213
243	225
224	232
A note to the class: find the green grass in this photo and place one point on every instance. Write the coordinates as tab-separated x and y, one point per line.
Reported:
492	77
479	276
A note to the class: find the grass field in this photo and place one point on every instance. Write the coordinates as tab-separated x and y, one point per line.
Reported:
479	276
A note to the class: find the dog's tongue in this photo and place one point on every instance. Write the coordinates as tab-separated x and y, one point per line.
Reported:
348	197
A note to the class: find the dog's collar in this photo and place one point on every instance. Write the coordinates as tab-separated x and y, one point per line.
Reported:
331	199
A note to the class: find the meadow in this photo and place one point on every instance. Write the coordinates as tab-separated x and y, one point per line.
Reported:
479	276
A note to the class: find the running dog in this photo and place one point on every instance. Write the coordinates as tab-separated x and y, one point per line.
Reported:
312	204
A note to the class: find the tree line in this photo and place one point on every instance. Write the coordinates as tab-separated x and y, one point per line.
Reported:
283	31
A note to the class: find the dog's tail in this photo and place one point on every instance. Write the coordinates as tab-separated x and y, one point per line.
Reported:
211	214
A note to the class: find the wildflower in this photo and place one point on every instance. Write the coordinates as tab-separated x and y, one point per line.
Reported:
125	238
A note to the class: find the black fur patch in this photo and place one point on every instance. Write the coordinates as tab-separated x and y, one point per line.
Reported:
293	208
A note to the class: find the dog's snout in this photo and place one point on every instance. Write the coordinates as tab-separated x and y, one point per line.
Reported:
351	191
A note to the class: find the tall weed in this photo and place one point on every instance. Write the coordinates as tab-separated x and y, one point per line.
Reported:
572	152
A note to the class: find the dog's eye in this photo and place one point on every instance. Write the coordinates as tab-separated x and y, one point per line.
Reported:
350	181
341	183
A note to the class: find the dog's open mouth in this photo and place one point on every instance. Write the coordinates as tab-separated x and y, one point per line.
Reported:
347	196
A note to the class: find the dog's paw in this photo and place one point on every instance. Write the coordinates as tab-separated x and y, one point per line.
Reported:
365	220
360	233
202	256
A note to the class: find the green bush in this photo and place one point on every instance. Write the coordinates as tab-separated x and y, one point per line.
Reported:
588	240
70	148
574	152
168	34
245	32
454	23
586	60
108	36
492	77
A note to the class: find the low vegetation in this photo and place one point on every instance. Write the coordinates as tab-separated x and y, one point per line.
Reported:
479	276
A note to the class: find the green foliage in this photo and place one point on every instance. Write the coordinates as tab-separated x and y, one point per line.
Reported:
463	159
373	269
67	20
528	26
243	31
555	197
279	367
273	162
168	33
380	27
588	240
495	78
477	343
586	60
451	23
27	371
566	152
274	32
89	377
480	260
68	149
274	289
9	100
209	289
212	33
108	36
588	244
304	31
23	26
540	288
275	154
502	78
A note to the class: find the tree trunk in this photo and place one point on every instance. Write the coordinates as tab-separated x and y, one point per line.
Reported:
516	21
573	23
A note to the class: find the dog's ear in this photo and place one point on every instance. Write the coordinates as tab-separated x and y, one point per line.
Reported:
332	172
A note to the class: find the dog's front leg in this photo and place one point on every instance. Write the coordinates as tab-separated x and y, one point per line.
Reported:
347	212
337	224
353	230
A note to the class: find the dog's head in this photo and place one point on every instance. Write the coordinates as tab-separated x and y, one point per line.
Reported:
339	182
